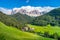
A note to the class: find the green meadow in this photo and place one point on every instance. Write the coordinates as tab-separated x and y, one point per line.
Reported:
48	28
10	33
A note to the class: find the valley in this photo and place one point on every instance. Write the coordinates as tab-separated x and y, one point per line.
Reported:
20	26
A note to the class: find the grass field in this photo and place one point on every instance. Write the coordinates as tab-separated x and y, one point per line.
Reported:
42	29
10	33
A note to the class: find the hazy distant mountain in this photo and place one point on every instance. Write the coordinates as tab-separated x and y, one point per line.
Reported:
29	10
6	11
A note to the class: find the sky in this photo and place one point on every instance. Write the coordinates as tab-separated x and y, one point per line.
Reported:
36	3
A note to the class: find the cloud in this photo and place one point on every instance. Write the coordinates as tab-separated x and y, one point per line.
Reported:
27	1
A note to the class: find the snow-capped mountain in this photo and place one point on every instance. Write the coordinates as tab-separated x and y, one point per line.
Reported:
28	10
32	11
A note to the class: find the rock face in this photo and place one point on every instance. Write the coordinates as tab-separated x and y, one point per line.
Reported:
32	11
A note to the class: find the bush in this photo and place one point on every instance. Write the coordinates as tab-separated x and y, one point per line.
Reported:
55	35
46	34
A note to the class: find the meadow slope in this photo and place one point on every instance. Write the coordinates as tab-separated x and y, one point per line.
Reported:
48	28
10	33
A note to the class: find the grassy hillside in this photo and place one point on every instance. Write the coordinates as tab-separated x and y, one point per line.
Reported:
10	21
50	29
10	33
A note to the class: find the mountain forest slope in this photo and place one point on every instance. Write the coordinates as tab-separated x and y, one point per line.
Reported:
52	18
23	18
10	21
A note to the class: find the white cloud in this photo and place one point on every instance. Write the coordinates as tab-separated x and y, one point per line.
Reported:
27	1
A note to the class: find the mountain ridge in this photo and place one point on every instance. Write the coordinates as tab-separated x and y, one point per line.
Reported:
52	18
10	21
28	10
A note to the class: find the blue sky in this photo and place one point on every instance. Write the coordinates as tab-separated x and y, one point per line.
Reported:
18	3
